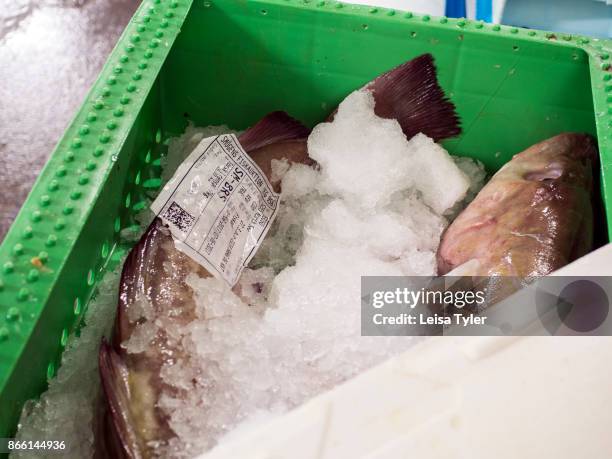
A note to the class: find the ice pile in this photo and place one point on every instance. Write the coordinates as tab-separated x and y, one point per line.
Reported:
365	160
291	328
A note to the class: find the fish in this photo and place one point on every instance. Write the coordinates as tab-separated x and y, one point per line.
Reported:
534	216
130	423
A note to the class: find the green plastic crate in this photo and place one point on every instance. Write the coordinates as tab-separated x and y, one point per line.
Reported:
233	61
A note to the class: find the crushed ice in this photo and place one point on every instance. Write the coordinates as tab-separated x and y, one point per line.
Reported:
290	329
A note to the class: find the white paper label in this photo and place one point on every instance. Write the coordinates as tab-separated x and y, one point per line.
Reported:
219	206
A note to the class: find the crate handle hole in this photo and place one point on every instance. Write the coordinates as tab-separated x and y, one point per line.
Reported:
77	306
91	277
105	250
50	370
64	338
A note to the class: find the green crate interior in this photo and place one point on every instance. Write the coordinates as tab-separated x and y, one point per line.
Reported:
233	61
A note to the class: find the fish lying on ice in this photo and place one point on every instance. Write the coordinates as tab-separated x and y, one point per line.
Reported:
534	216
131	424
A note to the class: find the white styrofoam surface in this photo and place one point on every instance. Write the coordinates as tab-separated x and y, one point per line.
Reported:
456	398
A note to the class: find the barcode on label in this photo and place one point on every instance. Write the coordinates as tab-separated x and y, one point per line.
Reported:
179	217
218	206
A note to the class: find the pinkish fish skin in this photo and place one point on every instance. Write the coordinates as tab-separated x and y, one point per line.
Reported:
534	216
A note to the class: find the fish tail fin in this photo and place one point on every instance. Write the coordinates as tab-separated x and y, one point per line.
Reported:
274	127
114	434
411	94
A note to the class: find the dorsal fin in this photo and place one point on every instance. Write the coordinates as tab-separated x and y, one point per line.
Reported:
274	127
